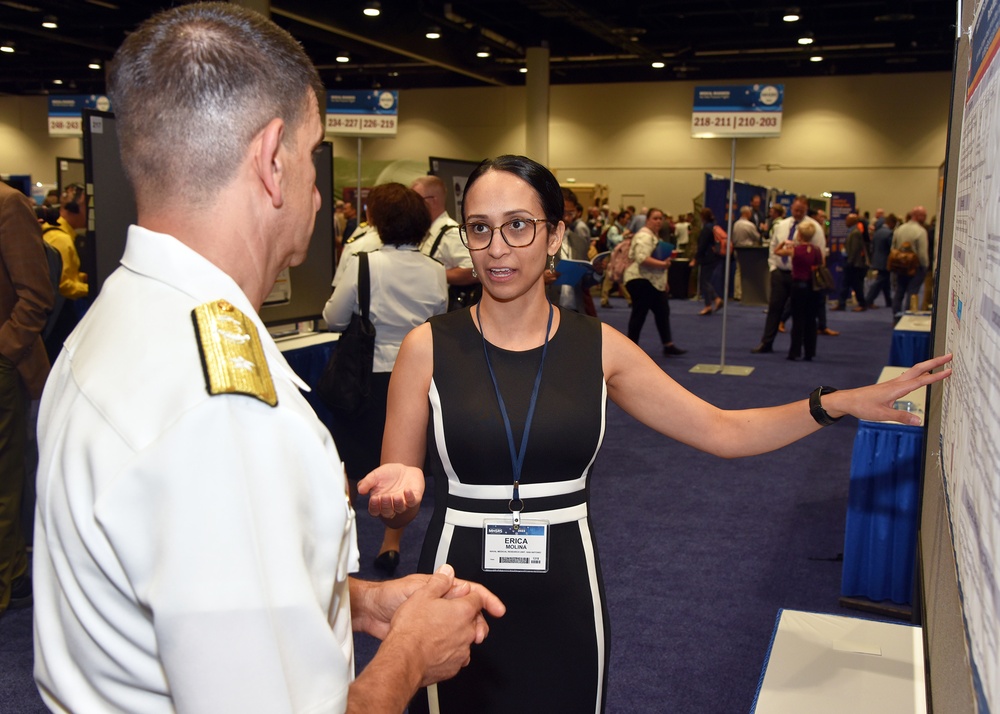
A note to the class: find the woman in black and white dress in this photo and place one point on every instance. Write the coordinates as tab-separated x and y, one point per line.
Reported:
504	403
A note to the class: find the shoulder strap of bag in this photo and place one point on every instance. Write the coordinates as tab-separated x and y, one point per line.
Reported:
437	241
364	284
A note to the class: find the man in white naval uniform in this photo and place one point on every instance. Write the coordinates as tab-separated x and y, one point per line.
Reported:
194	536
444	244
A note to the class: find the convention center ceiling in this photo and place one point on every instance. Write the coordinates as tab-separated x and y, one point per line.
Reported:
486	42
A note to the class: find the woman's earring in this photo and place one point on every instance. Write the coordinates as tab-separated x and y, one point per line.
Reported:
474	273
552	262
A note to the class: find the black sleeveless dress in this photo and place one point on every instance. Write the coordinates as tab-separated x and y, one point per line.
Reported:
549	653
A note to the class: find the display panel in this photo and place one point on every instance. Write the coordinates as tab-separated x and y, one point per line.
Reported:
300	293
454	173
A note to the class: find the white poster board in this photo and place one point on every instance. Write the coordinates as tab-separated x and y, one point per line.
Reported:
970	418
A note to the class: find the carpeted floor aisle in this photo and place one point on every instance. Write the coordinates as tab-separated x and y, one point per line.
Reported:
698	553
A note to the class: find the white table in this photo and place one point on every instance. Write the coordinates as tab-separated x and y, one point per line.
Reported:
831	664
911	340
912	402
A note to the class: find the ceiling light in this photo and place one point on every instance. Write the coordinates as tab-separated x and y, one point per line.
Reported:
658	65
791	15
806	39
523	70
373	9
483	52
57	81
7	46
49	22
343	57
816	58
94	64
433	33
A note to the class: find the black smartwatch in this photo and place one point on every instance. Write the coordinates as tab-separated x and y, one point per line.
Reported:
816	407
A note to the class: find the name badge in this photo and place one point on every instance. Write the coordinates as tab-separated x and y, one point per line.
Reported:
525	550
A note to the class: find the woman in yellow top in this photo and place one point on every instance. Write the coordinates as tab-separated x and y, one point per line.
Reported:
62	237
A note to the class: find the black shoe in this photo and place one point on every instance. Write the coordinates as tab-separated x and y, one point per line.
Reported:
762	348
791	357
387	561
20	593
673	350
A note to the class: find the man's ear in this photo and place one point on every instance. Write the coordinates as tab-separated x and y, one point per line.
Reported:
556	238
269	159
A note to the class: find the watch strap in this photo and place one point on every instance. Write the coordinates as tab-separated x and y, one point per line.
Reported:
816	406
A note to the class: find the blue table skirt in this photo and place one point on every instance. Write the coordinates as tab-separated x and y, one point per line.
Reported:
308	363
881	530
909	347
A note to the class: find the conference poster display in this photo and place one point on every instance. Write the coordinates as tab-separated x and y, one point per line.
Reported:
970	420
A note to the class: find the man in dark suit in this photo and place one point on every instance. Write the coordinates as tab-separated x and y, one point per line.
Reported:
757	216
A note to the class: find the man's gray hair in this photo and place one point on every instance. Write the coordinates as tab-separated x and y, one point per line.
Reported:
192	86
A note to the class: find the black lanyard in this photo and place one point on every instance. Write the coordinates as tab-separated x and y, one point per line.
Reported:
517	457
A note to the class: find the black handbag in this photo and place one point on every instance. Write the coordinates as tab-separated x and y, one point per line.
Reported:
347	377
823	279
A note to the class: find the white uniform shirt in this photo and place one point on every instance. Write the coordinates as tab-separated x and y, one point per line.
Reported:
367	240
407	287
191	551
450	250
682	232
780	234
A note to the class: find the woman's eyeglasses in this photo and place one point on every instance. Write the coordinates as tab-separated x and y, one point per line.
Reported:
517	233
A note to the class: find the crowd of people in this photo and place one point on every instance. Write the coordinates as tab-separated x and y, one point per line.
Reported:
195	534
882	255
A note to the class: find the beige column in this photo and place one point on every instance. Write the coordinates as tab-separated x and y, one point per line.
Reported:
537	120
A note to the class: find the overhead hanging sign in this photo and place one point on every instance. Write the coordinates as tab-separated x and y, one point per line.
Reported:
66	112
752	110
362	113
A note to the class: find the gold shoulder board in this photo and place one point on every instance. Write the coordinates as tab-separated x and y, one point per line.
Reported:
231	354
355	237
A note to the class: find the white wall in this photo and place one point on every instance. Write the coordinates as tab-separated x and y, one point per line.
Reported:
25	145
881	136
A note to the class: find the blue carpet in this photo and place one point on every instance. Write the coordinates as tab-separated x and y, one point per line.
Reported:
698	553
